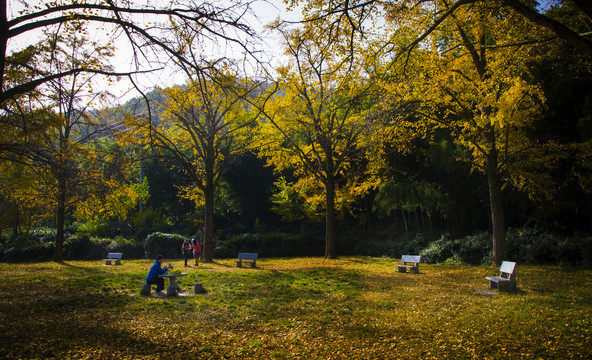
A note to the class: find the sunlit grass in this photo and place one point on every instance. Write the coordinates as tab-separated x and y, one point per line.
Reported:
307	308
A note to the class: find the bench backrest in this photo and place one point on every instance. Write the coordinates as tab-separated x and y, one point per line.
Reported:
414	259
507	269
114	255
248	256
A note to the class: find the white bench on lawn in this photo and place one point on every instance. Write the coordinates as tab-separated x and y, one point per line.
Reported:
247	258
113	258
410	262
506	278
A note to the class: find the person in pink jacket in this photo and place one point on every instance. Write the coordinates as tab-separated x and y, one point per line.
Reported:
196	251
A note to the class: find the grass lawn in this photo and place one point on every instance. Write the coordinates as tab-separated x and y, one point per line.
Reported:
305	308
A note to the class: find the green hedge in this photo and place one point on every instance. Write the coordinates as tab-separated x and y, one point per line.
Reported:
39	245
473	249
167	245
406	244
273	244
528	246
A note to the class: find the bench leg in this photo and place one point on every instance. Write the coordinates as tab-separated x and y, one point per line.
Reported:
107	262
239	264
172	291
402	269
253	264
414	270
118	262
506	286
493	285
173	288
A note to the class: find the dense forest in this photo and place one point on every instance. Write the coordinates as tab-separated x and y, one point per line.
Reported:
459	130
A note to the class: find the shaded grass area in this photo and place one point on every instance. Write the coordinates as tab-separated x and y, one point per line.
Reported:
306	308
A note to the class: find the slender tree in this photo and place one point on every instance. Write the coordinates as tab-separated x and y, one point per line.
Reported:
316	125
475	86
202	127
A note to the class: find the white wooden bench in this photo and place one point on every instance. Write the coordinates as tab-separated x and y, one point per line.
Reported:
410	262
506	278
113	258
247	258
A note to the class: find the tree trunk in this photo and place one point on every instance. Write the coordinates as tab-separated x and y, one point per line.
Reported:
330	252
3	41
208	250
496	202
404	220
16	223
59	241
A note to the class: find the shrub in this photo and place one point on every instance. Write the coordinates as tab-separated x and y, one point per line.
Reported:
533	245
78	247
167	245
438	250
474	249
406	244
38	245
131	248
273	244
576	251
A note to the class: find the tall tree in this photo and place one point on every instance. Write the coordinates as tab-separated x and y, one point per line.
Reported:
316	125
202	127
476	86
64	103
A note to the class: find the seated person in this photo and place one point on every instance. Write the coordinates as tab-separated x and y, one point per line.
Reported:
156	269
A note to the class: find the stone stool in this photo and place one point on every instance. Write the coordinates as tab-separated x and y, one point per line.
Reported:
146	290
198	288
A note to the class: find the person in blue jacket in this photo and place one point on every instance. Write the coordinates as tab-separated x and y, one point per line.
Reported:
157	269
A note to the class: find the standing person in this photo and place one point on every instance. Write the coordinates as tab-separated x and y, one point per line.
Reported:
186	249
157	269
196	251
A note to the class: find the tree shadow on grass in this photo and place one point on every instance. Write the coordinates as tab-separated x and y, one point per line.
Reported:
62	334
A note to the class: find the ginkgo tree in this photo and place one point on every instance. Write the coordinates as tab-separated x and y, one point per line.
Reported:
203	125
61	163
474	82
316	127
63	104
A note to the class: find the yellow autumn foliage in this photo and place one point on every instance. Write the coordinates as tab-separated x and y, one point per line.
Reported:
475	84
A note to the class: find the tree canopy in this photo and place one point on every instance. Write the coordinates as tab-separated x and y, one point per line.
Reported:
455	115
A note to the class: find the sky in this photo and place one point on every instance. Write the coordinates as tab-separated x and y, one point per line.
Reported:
264	11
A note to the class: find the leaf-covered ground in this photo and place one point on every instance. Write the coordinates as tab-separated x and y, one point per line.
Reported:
351	308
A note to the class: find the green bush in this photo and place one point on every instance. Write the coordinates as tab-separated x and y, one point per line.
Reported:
79	247
439	250
167	245
38	245
376	247
273	244
473	249
533	245
576	251
406	244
